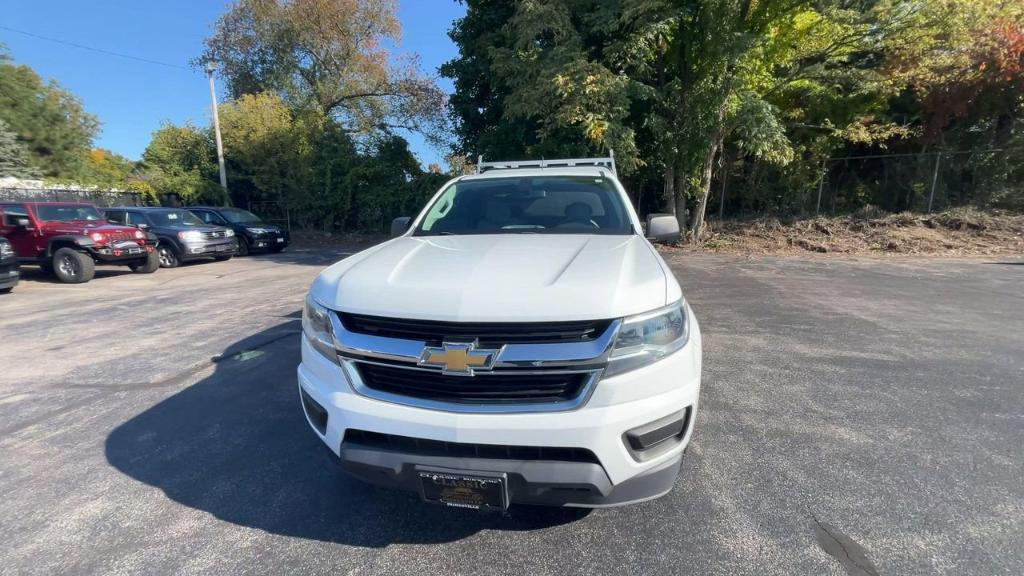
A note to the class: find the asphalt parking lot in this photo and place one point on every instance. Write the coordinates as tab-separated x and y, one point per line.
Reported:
857	417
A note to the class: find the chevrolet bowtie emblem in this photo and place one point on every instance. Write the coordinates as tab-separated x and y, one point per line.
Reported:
458	358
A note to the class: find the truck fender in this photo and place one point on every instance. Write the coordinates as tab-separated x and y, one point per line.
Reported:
68	241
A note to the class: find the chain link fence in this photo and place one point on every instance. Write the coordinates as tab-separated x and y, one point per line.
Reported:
922	182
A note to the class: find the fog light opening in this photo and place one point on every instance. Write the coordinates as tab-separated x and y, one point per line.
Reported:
656	438
315	412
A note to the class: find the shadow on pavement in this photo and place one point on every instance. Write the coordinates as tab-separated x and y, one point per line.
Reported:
237	446
30	273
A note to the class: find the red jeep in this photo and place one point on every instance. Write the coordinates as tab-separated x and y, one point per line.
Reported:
70	238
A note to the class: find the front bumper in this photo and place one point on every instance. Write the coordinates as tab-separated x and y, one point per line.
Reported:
273	241
192	251
618	404
121	254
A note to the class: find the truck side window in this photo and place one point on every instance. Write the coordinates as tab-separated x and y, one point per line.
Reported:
13	213
117	216
136	218
208	217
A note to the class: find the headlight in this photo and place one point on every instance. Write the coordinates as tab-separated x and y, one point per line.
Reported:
229	233
5	249
316	324
258	231
190	236
646	338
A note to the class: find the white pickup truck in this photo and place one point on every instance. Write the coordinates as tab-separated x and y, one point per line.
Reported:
520	341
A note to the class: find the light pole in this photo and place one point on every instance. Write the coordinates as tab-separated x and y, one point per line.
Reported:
210	67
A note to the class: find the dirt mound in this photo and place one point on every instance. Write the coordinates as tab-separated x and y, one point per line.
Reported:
960	231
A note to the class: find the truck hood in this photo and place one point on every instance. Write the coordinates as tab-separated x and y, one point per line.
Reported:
501	277
86	227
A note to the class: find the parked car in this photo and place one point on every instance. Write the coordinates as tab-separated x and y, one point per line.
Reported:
9	273
520	341
69	239
183	236
254	235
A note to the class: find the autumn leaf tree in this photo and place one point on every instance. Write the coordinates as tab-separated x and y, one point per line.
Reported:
329	56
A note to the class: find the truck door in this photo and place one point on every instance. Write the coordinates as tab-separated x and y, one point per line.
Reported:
23	238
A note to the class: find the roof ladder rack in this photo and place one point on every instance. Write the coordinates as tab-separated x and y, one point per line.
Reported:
608	162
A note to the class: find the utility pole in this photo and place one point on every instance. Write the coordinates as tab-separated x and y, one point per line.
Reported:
216	128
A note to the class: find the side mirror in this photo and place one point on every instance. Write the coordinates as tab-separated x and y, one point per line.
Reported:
662	228
23	223
400	225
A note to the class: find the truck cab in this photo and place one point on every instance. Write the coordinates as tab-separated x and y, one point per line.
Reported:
69	239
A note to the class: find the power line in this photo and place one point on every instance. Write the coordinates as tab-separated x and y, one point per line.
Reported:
90	48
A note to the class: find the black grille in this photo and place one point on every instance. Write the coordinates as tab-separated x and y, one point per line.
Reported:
423	447
493	388
215	234
487	333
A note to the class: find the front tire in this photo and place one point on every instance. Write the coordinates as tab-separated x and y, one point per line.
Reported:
243	247
72	267
151	264
6	290
222	258
168	258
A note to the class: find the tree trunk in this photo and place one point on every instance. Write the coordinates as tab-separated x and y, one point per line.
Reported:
680	201
668	192
697	221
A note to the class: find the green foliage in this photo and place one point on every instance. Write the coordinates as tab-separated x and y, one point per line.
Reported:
49	120
760	93
181	161
105	169
14	157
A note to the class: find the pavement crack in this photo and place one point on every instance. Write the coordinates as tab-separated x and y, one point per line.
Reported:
851	555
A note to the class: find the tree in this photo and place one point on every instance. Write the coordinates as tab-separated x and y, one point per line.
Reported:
328	55
106	169
266	146
180	161
668	84
14	157
49	120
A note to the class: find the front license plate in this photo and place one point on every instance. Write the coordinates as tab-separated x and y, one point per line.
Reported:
280	240
464	491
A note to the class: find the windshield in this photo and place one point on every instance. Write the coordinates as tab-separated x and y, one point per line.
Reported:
238	216
66	213
528	205
173	218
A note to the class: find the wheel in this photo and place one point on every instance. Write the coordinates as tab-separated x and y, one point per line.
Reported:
168	259
222	258
243	247
6	290
151	264
72	267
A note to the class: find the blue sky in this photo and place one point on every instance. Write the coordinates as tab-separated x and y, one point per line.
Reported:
132	98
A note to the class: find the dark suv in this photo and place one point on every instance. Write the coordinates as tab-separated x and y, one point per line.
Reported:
183	236
254	235
8	267
70	238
